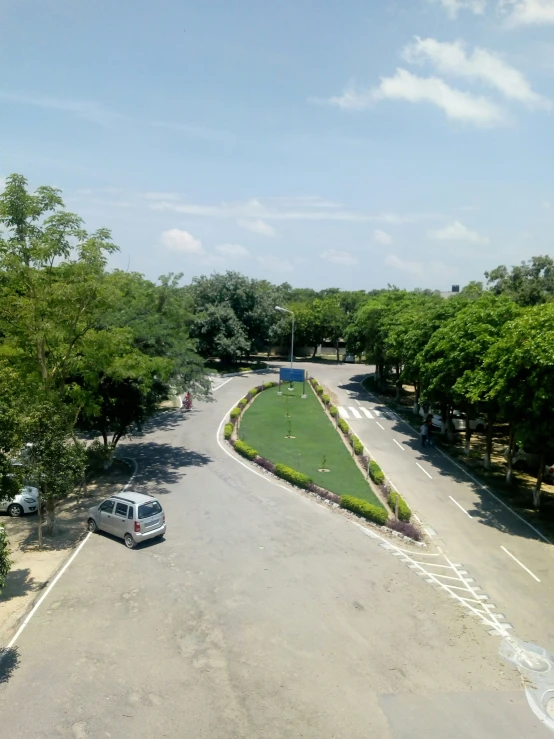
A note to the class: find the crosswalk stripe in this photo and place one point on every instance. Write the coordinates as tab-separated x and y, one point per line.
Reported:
377	413
367	412
355	412
343	413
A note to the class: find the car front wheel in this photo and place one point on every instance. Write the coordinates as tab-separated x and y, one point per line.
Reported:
15	510
91	525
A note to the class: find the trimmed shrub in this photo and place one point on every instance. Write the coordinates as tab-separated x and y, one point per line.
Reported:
235	413
228	430
290	475
408	529
343	426
333	411
245	450
242	403
404	512
268	385
319	390
326	399
356	445
265	463
376	473
363	508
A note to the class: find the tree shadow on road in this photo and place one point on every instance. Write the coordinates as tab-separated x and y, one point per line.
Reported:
9	662
162	464
19	582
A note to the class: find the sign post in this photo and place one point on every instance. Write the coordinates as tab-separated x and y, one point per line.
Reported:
292	375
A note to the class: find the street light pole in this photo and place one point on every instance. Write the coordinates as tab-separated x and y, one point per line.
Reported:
286	310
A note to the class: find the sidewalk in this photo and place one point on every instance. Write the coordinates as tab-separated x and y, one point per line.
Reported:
32	569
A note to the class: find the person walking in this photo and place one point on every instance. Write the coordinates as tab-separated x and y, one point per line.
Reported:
424	431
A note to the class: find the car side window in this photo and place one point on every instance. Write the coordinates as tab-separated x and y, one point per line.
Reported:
130	514
121	510
107	506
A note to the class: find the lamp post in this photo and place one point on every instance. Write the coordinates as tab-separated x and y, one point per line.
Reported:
286	310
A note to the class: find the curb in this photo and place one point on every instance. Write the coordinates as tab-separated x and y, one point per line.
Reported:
244	374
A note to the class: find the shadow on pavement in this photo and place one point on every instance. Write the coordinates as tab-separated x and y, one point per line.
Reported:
9	662
162	464
19	582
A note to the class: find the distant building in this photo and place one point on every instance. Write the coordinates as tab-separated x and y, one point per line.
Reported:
450	293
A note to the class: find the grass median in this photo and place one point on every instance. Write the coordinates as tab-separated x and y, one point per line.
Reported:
316	444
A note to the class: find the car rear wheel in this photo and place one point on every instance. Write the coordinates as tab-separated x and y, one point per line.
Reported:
15	510
91	525
129	541
479	427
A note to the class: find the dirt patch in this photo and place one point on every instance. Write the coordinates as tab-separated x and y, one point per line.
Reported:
33	569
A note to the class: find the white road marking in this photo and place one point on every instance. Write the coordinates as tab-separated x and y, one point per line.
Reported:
343	413
399	445
357	401
377	413
378	424
367	412
520	563
421	468
223	383
355	412
460	507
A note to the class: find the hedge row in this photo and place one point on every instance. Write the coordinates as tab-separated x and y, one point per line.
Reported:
245	450
333	410
228	430
356	444
326	399
343	426
235	413
404	512
363	508
376	473
292	476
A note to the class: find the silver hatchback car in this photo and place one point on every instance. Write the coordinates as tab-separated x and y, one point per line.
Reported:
133	517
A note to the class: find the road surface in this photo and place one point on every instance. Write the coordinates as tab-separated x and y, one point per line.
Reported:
261	614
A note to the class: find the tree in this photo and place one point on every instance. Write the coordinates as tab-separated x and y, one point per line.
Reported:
5	561
520	368
529	283
219	333
56	462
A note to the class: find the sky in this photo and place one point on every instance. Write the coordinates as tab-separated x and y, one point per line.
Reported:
315	142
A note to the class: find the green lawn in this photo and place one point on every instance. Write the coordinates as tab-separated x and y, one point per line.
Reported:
265	426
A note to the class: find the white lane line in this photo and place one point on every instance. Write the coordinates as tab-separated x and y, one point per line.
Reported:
460	507
367	412
377	413
520	563
378	424
343	413
421	468
399	445
355	412
357	401
215	389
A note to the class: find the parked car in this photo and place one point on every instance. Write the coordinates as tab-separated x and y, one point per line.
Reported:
459	420
25	502
133	517
525	459
349	359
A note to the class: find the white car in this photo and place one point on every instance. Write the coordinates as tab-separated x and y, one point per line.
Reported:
524	459
25	502
458	420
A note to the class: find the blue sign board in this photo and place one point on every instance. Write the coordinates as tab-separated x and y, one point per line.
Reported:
291	375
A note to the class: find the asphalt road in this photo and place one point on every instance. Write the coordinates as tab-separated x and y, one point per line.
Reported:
261	614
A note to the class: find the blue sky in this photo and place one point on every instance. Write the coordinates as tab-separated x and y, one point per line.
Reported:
317	142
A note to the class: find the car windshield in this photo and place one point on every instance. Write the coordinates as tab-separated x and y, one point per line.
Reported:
149	509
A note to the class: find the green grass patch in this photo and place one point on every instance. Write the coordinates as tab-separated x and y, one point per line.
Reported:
316	443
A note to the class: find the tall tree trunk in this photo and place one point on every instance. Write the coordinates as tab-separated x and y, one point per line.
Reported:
338	355
467	449
509	467
488	442
417	386
444	416
315	352
51	516
538	484
105	437
398	384
39	521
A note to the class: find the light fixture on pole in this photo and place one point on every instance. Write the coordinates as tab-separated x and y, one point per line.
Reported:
286	310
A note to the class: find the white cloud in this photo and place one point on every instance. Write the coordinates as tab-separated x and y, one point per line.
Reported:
160	196
457	105
275	264
382	237
352	99
254	211
339	257
458	232
232	250
182	241
528	12
482	65
414	268
453	7
257	227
